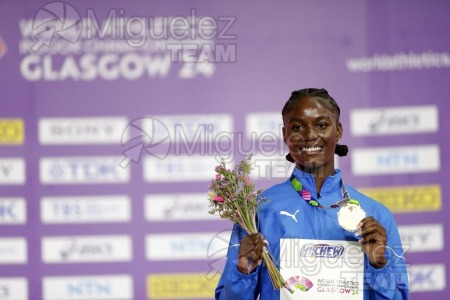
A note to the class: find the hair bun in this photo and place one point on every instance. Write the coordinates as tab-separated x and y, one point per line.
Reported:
341	150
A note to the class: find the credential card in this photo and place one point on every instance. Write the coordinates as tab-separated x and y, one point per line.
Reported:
322	269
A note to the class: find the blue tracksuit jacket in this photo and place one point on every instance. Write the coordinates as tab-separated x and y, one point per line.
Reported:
389	282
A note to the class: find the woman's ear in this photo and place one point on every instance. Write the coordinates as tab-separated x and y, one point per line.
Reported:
284	135
340	131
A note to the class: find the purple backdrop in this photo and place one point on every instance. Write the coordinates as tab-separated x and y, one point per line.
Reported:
88	85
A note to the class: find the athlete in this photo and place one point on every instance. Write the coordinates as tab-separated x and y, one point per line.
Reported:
331	241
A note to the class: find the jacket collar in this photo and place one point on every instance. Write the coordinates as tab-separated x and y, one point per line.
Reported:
330	185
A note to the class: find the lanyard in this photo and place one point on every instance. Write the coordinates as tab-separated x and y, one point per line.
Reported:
306	195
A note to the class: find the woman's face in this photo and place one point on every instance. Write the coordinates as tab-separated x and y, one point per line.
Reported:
311	132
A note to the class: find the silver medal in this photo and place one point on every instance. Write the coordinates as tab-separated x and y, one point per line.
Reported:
350	215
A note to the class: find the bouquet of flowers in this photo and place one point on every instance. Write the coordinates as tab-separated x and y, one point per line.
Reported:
232	196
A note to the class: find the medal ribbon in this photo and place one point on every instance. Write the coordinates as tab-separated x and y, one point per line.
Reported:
306	195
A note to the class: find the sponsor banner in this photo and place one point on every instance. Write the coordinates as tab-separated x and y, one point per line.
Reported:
394	120
188	129
13	288
188	246
395	160
179	168
77	249
427	278
82	170
13	250
12	170
13	210
181	286
417	198
85	209
422	238
82	130
12	131
99	287
177	207
264	126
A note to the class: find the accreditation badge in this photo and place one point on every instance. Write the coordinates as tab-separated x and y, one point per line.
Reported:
321	269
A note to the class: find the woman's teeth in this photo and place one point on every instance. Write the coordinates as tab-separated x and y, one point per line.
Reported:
311	149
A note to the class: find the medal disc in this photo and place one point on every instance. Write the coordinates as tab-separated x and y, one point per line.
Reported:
349	216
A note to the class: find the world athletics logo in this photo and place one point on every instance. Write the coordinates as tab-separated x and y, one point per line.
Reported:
2	47
322	250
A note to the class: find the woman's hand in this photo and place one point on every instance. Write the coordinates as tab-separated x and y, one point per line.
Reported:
250	253
373	241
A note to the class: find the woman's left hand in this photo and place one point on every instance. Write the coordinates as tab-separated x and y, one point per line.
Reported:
373	241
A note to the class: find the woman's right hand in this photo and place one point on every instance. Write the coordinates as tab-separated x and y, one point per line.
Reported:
250	253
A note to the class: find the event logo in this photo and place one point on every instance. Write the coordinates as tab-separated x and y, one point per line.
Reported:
153	138
55	18
3	47
119	46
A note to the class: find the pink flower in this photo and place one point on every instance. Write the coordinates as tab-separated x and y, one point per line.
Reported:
248	181
218	176
218	199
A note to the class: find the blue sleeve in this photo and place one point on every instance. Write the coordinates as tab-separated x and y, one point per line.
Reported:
391	281
233	284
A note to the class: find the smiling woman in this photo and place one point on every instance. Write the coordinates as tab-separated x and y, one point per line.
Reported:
315	225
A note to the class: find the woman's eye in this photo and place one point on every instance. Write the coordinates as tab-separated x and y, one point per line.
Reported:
296	127
323	125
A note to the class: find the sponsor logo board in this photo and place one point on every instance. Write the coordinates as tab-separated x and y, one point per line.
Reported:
12	210
181	286
395	160
422	238
12	171
85	209
82	130
13	250
187	246
177	207
427	278
12	131
419	198
78	249
13	288
99	287
177	168
82	170
394	120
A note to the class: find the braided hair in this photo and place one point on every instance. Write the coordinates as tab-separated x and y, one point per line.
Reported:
326	100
